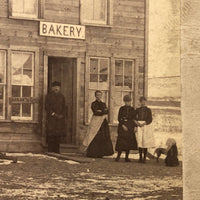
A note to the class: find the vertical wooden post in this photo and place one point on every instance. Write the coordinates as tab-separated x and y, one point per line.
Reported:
76	94
41	9
110	12
86	88
136	83
146	48
112	87
45	88
36	84
9	85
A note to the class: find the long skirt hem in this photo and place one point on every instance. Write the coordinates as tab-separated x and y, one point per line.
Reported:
101	145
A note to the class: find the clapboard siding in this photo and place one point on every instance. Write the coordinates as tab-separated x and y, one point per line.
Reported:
125	38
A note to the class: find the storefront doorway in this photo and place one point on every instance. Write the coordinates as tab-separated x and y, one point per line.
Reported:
63	70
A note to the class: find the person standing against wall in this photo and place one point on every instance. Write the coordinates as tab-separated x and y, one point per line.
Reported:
126	139
145	135
55	116
97	142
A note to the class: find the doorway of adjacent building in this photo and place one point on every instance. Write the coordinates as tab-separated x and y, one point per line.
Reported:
63	70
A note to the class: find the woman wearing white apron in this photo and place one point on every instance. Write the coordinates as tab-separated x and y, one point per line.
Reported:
144	135
97	142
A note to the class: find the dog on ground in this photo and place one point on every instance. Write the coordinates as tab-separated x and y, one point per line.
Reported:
159	151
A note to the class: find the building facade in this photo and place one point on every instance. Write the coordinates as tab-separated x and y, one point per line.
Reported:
164	79
86	45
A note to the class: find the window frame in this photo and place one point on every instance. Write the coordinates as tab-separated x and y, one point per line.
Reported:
111	90
4	84
87	78
109	16
40	12
32	85
8	91
122	90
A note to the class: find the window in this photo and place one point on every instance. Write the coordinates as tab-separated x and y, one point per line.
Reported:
25	8
19	84
2	83
96	12
115	82
98	80
124	83
22	84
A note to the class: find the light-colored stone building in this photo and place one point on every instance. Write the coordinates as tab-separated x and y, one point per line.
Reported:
190	75
164	83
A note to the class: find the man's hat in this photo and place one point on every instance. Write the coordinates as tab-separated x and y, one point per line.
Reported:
127	98
56	83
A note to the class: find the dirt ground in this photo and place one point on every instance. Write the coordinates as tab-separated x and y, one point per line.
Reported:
39	176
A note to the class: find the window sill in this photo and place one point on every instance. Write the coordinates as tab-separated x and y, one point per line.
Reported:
24	18
18	121
97	25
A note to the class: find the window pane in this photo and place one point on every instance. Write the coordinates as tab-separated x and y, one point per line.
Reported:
93	77
16	91
27	76
119	67
128	82
128	74
128	68
2	66
26	91
21	62
103	78
16	110
30	7
88	10
118	80
93	66
100	10
103	66
26	110
1	92
17	6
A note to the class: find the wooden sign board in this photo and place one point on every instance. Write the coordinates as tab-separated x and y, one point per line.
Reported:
62	30
14	100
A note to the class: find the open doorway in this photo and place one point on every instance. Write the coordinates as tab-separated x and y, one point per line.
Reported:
63	70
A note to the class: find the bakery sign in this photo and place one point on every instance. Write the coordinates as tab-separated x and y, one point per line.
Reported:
62	30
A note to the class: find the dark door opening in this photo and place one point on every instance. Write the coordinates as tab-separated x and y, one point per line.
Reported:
62	70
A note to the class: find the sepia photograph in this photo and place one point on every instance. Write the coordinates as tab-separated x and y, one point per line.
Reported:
91	99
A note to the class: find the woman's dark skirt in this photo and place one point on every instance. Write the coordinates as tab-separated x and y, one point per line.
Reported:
126	140
101	145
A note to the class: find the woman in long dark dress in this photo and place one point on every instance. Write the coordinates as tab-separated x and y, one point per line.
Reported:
97	141
126	139
172	153
145	136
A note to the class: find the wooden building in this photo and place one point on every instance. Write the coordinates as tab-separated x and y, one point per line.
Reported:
85	44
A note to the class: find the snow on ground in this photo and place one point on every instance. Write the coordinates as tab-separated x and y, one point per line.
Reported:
39	176
8	162
41	156
88	183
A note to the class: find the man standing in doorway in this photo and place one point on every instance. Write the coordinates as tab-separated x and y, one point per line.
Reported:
55	112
